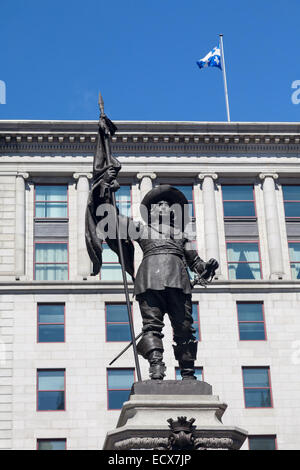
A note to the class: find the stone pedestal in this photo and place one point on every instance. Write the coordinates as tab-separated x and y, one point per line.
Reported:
143	420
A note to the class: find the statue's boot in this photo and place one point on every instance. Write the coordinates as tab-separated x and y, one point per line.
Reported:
157	366
151	348
185	354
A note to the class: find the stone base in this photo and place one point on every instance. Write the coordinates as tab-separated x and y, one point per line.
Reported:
143	420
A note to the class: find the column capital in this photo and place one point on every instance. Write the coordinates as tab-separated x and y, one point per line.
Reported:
146	175
88	175
262	176
203	175
23	175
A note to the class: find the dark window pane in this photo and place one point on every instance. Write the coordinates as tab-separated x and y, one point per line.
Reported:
197	334
262	443
239	209
53	444
116	398
258	398
250	311
51	313
256	377
118	332
252	331
237	193
292	209
196	325
195	312
51	401
188	192
295	267
51	333
244	271
116	313
291	193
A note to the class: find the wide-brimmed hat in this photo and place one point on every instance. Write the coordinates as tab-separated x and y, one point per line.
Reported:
164	192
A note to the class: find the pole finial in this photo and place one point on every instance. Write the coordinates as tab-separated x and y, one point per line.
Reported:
101	104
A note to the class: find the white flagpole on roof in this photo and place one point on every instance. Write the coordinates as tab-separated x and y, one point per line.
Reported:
224	76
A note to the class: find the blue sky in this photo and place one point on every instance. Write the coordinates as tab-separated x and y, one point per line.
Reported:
141	54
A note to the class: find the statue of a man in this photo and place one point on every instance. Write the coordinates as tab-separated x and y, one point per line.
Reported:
162	284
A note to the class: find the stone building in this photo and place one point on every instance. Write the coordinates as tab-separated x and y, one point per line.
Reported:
60	327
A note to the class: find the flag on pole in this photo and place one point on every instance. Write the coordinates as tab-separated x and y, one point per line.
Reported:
212	59
215	58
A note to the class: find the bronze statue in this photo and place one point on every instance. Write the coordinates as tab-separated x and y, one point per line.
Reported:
162	284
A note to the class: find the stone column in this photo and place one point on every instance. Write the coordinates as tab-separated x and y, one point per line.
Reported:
272	224
20	227
146	182
83	259
210	217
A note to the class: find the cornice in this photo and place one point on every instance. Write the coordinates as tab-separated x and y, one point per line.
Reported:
144	138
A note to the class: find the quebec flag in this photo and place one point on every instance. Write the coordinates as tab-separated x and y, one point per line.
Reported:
212	59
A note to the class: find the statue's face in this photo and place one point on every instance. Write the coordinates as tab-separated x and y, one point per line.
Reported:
161	208
161	213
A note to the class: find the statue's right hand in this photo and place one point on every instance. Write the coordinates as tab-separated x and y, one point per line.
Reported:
110	174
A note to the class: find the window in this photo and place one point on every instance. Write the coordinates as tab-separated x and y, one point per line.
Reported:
241	232
51	323
119	382
196	323
51	444
257	389
251	321
262	442
291	197
238	201
51	201
51	233
198	373
188	192
123	200
243	260
51	261
51	390
117	323
294	251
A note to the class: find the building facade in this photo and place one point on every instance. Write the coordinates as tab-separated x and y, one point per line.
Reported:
60	327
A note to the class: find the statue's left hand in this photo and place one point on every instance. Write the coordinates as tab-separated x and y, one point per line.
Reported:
210	267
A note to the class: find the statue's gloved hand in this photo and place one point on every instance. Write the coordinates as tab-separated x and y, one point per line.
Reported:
111	174
210	268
